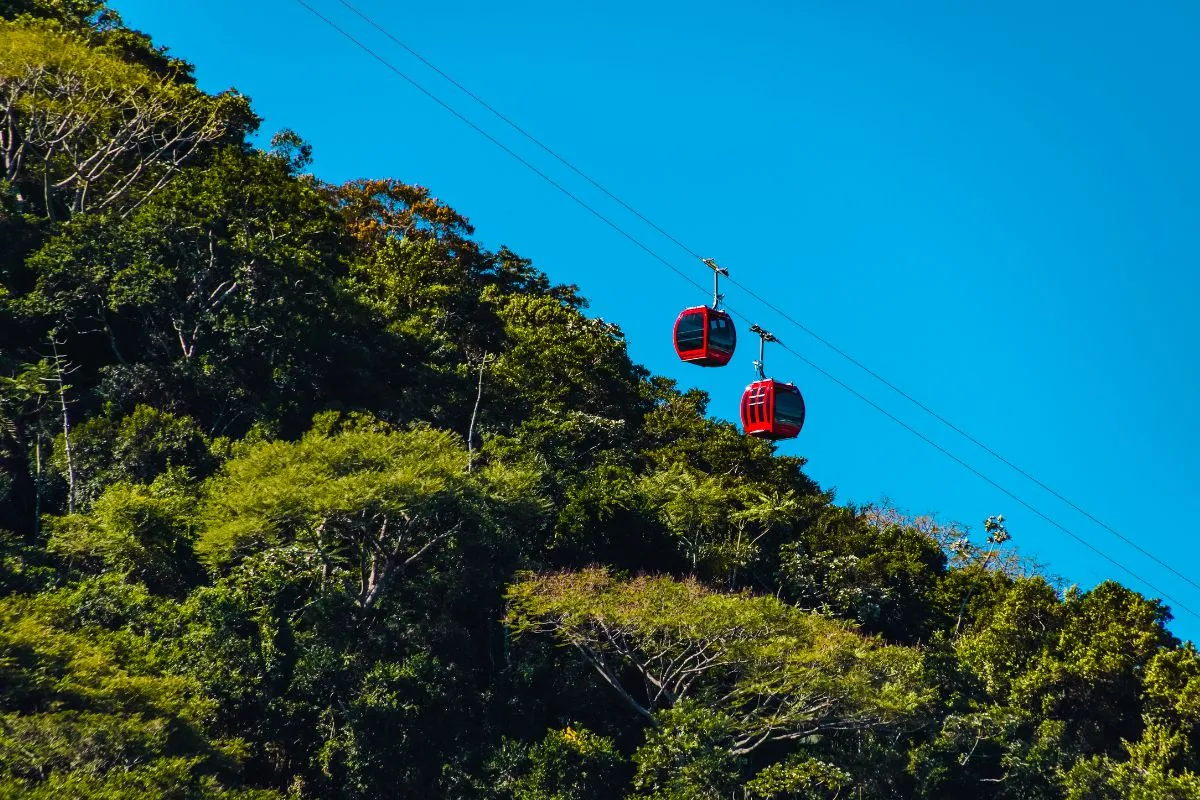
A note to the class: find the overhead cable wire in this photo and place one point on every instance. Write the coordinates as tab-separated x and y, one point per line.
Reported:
1081	540
1049	490
661	259
770	305
500	115
979	474
463	118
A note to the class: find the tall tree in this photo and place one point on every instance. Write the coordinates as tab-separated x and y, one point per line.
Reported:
81	129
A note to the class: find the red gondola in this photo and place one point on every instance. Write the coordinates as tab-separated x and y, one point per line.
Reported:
771	409
705	335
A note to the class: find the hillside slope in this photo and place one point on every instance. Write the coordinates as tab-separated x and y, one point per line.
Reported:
305	493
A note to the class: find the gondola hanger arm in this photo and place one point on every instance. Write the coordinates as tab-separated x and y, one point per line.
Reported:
764	336
718	271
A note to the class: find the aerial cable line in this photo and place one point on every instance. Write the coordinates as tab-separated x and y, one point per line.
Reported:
1049	490
449	78
992	482
656	256
772	306
944	451
584	204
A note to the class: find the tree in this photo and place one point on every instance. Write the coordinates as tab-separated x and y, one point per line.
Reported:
85	130
1148	772
218	285
777	674
370	502
137	447
558	360
87	711
24	405
142	532
78	11
720	523
571	763
885	578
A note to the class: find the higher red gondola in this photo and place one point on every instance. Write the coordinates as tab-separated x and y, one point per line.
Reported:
704	335
771	409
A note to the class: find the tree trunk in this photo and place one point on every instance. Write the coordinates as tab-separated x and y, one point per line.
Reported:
474	413
61	379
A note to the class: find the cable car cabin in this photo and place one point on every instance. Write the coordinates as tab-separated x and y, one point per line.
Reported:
772	410
705	336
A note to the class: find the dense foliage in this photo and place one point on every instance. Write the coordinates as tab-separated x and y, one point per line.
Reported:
304	493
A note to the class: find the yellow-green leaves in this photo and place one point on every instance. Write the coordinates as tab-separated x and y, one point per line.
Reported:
325	483
799	777
369	501
88	711
719	521
571	763
137	530
82	128
779	672
559	360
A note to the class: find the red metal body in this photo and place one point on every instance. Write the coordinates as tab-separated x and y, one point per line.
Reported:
705	336
772	410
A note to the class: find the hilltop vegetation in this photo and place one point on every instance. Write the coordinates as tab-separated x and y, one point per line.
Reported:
305	493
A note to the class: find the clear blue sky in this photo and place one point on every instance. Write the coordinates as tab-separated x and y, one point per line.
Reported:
995	208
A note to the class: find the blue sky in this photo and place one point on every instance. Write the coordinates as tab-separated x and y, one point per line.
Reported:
995	208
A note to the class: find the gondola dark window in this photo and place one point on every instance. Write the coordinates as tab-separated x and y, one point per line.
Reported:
705	336
689	335
721	336
789	408
772	410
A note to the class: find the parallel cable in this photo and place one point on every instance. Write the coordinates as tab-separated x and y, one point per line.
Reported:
966	435
519	129
1081	540
956	459
461	117
772	306
656	256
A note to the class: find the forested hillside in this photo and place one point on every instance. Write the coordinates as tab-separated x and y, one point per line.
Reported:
306	493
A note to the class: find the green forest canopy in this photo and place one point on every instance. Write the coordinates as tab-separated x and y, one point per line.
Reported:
259	540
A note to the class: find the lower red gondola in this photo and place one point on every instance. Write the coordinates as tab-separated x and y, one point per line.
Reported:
772	410
705	336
